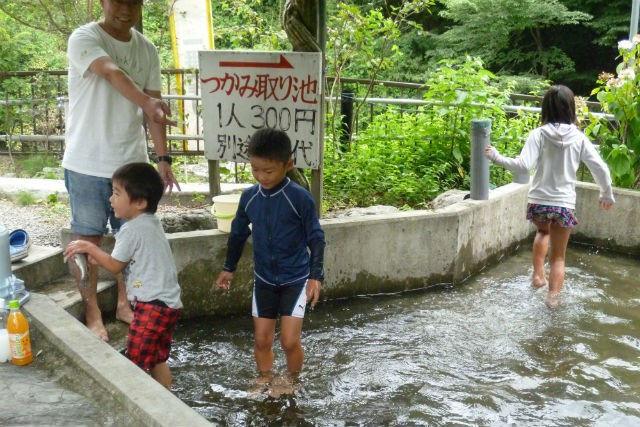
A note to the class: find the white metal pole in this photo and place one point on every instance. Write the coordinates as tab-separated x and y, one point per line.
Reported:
633	28
480	138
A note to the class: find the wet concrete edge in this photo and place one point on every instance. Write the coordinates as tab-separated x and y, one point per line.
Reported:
146	401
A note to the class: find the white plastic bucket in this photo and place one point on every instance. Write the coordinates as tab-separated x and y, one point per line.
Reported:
224	210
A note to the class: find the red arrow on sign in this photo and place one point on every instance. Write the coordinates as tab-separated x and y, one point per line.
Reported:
282	64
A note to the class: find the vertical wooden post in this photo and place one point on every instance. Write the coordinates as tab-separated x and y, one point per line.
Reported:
317	174
214	177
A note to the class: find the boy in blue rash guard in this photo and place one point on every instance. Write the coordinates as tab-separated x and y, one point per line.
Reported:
288	250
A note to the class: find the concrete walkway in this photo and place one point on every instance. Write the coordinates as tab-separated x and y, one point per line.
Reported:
33	396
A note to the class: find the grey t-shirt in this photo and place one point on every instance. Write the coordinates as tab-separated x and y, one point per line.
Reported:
150	273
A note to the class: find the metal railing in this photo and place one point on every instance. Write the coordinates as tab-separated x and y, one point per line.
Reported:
33	104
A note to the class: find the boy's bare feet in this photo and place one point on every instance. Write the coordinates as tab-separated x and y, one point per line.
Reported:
282	386
124	313
552	300
261	384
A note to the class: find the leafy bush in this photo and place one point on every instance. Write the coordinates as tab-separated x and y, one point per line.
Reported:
408	158
619	138
25	198
32	166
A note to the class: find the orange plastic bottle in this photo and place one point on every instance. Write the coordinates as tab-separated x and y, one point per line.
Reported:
19	341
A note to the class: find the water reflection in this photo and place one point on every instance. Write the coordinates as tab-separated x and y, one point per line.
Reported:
486	353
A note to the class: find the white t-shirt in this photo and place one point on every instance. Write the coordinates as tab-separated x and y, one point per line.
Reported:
104	129
151	270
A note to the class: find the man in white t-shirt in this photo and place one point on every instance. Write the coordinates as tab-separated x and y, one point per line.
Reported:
114	81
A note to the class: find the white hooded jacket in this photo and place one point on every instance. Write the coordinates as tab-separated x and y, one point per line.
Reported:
555	151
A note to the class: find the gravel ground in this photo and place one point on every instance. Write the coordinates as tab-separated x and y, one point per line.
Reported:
43	223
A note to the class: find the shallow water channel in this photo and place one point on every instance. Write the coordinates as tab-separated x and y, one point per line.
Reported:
488	352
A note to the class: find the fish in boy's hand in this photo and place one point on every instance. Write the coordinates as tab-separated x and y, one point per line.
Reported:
79	269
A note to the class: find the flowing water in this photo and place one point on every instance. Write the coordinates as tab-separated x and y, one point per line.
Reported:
488	352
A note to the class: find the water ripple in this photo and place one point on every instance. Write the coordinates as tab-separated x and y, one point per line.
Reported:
488	352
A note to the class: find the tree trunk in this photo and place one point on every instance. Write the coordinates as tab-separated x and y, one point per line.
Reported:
299	20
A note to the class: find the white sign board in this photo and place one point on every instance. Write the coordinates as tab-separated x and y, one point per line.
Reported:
245	91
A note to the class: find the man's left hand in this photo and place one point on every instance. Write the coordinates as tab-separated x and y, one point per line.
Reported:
164	169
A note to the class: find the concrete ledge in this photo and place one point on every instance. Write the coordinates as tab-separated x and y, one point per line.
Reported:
405	250
43	265
368	254
64	292
146	401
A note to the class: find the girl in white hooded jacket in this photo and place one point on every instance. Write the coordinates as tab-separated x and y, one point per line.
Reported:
555	150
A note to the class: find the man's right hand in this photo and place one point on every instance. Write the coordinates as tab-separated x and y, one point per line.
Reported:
157	111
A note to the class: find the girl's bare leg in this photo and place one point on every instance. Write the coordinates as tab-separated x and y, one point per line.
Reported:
559	240
540	249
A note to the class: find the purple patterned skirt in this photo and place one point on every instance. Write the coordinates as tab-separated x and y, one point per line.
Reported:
545	214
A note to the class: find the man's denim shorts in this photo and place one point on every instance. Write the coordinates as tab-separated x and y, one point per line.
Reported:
90	207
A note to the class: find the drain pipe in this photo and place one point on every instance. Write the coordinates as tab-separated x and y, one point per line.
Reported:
5	257
480	138
10	286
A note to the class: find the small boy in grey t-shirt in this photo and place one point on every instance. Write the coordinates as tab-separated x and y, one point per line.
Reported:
143	254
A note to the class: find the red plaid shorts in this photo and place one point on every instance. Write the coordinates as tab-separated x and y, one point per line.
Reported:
151	333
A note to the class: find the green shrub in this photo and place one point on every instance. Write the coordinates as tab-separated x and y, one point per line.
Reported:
404	158
619	95
26	198
32	166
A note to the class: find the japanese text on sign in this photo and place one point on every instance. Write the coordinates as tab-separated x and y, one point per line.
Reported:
246	91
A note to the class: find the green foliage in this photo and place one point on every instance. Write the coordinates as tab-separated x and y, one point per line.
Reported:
26	198
619	138
610	19
248	24
240	172
406	158
33	166
21	48
199	199
155	26
30	27
508	34
57	18
363	42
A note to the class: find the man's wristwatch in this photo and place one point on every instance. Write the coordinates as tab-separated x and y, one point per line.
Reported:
167	159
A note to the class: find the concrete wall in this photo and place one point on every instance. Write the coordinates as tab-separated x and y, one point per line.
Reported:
406	250
367	255
618	229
